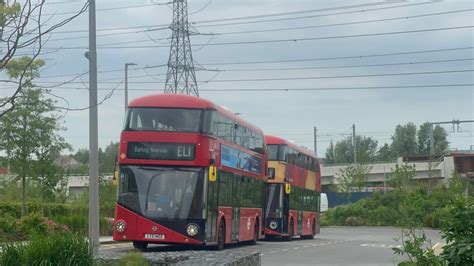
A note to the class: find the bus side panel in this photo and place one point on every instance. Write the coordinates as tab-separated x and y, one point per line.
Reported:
248	218
226	214
308	222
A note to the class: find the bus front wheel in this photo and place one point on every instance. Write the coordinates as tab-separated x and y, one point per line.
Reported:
290	232
221	237
140	245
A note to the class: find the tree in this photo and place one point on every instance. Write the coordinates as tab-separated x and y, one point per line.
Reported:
402	177
353	176
107	157
330	152
28	137
23	28
404	140
439	136
385	153
366	150
82	156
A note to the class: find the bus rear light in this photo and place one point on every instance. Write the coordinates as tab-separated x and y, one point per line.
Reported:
120	226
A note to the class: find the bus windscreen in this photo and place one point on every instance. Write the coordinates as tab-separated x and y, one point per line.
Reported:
164	119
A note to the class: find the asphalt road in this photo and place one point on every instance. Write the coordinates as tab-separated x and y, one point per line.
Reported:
334	246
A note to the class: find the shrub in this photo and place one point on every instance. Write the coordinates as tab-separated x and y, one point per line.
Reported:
7	227
459	235
354	221
417	248
55	249
31	224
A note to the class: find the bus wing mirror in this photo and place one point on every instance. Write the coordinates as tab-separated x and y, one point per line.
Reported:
212	173
116	173
287	188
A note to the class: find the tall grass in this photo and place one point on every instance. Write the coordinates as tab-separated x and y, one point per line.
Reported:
57	249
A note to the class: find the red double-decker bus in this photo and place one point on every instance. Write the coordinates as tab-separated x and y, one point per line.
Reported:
191	172
292	190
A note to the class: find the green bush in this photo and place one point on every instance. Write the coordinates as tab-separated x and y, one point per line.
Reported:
416	246
7	228
55	249
409	208
32	224
54	209
354	221
459	235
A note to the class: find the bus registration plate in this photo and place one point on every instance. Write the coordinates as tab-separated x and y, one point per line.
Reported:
154	236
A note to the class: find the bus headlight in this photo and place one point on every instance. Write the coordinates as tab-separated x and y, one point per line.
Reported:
120	226
273	225
192	229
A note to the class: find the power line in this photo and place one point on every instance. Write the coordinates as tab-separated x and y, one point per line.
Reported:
288	89
278	40
110	8
284	69
311	16
305	60
341	57
265	30
239	18
346	76
344	24
346	66
301	78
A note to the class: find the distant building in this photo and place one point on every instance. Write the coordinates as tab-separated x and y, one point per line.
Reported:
433	173
67	162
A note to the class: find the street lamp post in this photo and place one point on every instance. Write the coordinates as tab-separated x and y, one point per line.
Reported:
126	83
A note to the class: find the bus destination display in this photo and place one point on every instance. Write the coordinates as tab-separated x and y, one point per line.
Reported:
161	151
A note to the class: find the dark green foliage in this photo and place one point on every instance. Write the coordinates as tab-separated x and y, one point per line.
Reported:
439	136
413	246
107	157
73	216
459	235
54	249
7	227
416	207
343	151
404	140
54	209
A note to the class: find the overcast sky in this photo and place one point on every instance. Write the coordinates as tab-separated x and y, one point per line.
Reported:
289	114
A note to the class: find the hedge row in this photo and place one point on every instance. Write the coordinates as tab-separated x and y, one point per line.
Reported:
53	209
419	207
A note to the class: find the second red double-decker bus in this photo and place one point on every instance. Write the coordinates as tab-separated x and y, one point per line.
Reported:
191	172
292	190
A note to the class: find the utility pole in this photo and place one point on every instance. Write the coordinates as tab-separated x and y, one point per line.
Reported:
93	135
316	141
181	77
126	84
354	144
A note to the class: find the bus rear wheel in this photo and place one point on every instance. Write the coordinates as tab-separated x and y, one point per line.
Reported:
255	234
140	245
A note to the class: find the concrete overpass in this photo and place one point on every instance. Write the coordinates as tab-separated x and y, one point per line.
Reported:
434	173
